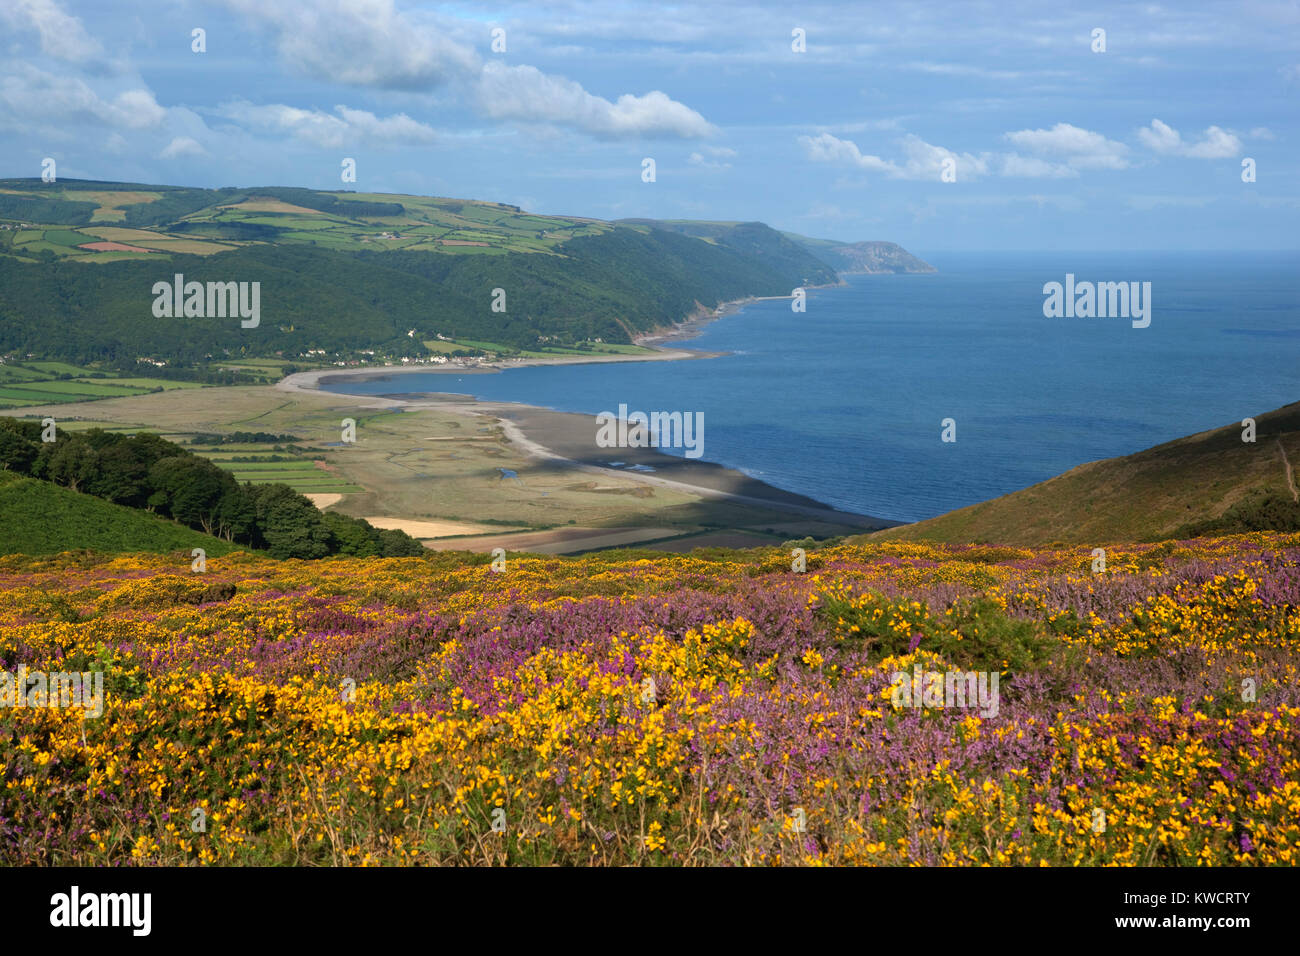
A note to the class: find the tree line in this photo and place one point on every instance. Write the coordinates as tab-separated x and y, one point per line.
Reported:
148	472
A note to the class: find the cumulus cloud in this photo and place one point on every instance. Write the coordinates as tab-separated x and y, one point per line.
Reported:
526	94
30	95
62	36
362	43
1072	146
1215	143
921	160
370	43
329	130
182	146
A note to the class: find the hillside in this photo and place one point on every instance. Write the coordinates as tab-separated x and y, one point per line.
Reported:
392	710
755	241
38	517
863	257
355	275
1210	482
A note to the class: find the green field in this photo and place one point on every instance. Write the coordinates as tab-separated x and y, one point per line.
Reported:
37	383
85	388
56	368
151	383
227	214
297	472
11	373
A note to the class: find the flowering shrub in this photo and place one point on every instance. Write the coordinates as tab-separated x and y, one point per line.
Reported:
675	710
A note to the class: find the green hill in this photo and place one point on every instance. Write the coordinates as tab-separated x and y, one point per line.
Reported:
355	275
38	517
755	242
1208	483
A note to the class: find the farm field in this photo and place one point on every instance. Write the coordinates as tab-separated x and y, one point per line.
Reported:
235	218
39	383
644	709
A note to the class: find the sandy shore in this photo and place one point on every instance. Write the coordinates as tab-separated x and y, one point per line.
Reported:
314	378
567	440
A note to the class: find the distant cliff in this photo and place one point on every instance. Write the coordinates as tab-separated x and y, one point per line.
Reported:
863	257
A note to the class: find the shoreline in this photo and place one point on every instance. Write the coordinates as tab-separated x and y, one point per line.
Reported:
688	328
567	439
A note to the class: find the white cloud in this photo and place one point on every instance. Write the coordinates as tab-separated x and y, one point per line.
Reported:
1215	143
62	36
921	160
1075	147
526	94
1261	132
329	130
1062	152
712	157
363	43
370	43
32	96
182	146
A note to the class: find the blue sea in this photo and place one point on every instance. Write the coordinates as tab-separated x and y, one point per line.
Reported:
844	402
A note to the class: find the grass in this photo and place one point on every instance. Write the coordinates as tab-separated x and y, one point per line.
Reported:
1147	496
57	368
150	383
11	373
34	383
83	388
29	395
43	518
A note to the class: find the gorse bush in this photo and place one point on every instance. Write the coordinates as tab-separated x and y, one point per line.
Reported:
662	710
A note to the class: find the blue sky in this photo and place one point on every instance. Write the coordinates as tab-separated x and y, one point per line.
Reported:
1052	144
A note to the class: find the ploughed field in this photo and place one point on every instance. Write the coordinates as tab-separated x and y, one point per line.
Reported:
671	710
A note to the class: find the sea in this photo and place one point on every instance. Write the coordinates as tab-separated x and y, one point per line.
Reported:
849	401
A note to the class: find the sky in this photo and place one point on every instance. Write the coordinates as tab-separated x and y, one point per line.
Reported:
941	126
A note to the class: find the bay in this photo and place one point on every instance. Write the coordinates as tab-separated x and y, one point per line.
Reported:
845	402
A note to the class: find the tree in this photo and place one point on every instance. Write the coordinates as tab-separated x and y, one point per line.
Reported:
236	514
16	452
191	490
398	544
122	476
69	461
352	536
288	525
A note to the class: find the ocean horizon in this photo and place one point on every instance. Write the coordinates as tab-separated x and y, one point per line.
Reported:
846	402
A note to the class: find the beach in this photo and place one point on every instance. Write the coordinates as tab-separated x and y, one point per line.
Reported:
567	441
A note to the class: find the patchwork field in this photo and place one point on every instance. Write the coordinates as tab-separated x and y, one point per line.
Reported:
238	217
41	383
